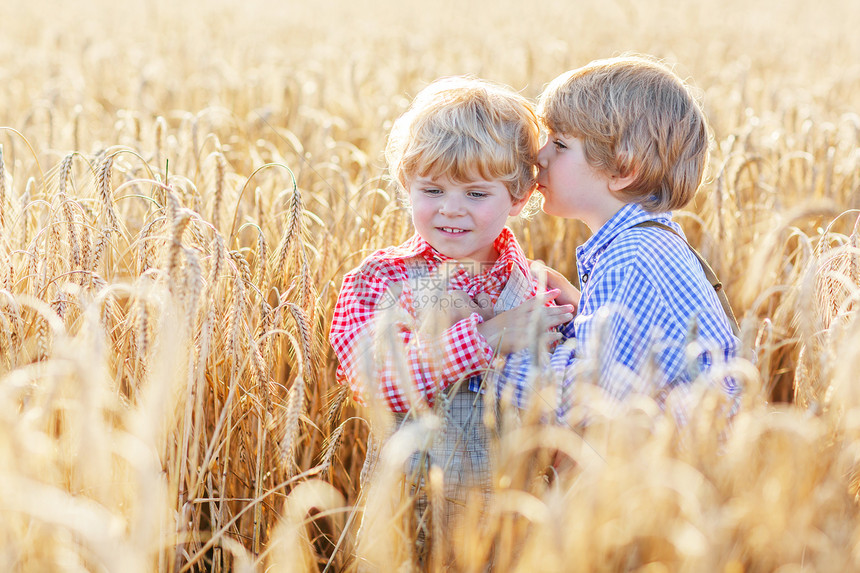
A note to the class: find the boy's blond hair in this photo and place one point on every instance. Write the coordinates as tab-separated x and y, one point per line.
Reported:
636	117
464	128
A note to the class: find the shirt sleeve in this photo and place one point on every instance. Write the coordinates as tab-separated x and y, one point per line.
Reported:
381	350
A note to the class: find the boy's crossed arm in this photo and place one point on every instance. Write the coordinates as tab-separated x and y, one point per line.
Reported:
376	337
467	339
511	330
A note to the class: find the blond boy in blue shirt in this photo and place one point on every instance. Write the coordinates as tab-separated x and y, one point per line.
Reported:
627	144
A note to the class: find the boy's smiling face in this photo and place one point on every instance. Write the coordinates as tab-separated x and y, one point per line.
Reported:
461	220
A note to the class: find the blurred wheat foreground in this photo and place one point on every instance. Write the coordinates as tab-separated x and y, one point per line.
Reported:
182	187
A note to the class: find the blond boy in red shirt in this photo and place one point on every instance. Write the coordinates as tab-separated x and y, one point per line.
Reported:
426	321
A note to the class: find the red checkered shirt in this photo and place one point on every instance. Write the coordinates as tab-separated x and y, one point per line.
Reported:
381	284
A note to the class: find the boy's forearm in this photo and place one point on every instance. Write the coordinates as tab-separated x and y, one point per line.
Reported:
429	365
438	363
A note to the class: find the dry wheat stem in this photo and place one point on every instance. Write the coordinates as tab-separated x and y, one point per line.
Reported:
218	194
245	186
217	535
2	190
775	148
104	187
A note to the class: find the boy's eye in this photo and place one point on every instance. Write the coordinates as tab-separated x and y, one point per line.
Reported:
477	194
432	191
558	144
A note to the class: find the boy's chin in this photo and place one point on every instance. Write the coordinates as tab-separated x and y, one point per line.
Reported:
545	204
555	210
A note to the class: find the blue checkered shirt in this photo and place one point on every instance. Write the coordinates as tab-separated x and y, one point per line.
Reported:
648	318
514	376
517	378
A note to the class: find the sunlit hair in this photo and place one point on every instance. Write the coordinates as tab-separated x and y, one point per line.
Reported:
466	128
634	116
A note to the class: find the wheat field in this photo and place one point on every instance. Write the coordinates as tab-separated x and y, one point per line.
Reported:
183	185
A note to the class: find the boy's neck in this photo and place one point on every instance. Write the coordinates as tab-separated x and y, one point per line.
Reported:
474	267
485	262
599	216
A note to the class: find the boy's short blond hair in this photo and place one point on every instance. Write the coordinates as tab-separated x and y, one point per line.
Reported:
466	128
634	116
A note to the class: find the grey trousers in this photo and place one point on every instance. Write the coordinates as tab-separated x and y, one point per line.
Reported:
460	448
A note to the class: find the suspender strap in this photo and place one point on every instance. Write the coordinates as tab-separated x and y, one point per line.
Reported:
709	274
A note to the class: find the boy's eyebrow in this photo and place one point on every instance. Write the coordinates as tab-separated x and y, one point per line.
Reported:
479	183
424	180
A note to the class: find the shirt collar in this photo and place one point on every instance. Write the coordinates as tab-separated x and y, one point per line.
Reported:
628	216
510	253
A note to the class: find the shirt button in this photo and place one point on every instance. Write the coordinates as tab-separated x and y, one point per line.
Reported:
584	278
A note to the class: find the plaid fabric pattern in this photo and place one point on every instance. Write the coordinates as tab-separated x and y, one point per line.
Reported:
461	449
647	312
379	309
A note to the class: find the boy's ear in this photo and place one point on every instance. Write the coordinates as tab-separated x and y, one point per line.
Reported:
517	206
620	183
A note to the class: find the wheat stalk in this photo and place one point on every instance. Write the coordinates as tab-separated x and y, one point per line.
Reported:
854	244
25	218
8	272
101	244
234	323
14	327
295	407
305	334
104	187
292	232
2	189
160	138
142	334
193	284
261	271
85	256
181	219
33	272
711	496
330	447
147	246
218	193
65	172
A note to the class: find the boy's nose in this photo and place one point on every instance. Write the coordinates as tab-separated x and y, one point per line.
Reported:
451	206
542	153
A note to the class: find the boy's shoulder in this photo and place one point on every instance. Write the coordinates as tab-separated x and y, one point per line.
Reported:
388	263
654	241
658	253
646	241
383	263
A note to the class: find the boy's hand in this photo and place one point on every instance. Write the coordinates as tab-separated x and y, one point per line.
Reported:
557	281
457	305
483	305
514	329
